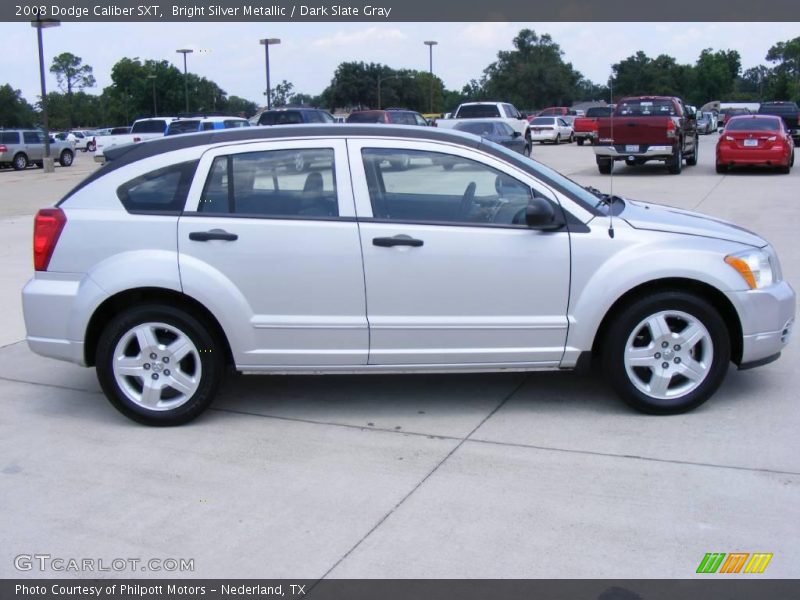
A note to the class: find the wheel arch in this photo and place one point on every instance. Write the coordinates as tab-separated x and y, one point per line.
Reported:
703	290
117	303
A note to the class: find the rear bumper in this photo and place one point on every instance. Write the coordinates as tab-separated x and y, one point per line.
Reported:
767	319
538	136
56	307
619	152
771	156
586	135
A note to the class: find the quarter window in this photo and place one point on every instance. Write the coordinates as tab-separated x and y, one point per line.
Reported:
274	183
441	188
163	190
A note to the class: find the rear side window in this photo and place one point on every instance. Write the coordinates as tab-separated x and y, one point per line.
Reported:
273	183
234	123
161	191
9	137
33	137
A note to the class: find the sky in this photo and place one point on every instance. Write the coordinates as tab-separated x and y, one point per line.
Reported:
310	52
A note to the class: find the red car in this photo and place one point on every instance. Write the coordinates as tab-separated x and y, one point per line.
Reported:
755	140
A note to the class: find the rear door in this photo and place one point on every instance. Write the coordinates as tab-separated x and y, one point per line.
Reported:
276	253
34	145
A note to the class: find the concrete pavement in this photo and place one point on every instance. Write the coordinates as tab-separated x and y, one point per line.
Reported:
444	476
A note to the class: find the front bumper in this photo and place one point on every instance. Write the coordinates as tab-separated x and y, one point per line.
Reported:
767	318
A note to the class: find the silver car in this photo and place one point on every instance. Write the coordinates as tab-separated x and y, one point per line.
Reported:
188	255
22	147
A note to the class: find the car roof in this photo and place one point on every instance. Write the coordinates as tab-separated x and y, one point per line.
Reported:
130	153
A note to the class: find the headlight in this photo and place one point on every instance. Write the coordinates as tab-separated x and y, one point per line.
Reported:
754	267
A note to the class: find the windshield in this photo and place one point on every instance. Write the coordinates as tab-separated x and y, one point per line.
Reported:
183	127
645	108
753	124
478	111
788	108
152	126
598	111
577	192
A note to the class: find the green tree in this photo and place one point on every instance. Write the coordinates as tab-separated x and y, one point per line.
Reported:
72	75
786	56
281	94
534	74
714	76
14	109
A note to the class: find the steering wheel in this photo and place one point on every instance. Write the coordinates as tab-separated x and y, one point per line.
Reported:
467	200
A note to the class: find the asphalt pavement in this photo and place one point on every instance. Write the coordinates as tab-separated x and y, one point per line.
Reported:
440	476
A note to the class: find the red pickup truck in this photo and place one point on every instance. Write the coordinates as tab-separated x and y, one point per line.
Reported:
585	128
646	128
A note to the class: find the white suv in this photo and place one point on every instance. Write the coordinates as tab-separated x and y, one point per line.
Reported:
186	255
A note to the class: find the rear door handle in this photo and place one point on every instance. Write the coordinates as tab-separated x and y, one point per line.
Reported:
214	234
398	240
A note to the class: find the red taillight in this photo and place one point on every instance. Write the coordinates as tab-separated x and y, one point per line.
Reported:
47	228
671	128
3	148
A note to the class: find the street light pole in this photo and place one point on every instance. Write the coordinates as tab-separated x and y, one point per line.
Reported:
40	24
155	106
430	44
267	42
185	51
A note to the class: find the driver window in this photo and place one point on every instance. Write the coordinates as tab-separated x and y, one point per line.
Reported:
421	186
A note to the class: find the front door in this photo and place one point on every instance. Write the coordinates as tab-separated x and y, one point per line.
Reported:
453	275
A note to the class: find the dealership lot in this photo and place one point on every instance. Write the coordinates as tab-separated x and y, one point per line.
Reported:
500	475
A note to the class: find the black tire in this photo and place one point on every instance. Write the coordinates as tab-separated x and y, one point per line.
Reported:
20	162
571	138
528	149
631	162
605	166
791	159
557	141
209	353
627	322
65	158
691	161
580	141
675	165
91	147
721	169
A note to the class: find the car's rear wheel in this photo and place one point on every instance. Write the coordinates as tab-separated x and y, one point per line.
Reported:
65	158
675	165
20	162
580	141
604	165
159	365
90	147
667	353
691	160
557	141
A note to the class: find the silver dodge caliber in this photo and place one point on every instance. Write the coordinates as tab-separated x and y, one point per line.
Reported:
184	256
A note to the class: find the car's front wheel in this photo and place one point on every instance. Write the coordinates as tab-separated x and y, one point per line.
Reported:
667	353
159	365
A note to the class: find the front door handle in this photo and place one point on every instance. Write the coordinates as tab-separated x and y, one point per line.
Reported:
214	234
398	240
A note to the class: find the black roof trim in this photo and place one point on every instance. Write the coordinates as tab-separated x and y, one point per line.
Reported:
129	153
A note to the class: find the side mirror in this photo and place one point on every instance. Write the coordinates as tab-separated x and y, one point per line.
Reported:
516	134
540	215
